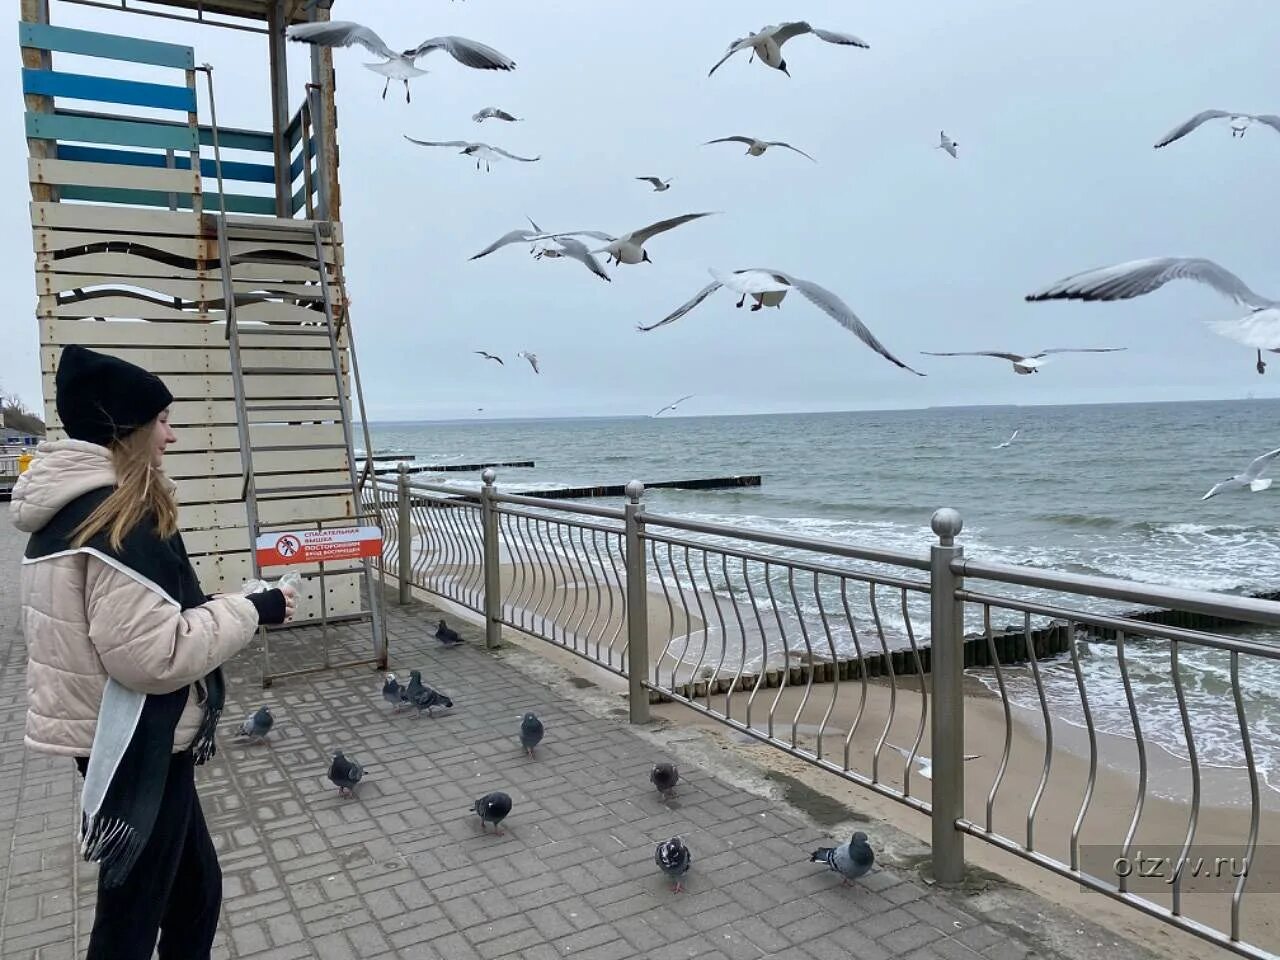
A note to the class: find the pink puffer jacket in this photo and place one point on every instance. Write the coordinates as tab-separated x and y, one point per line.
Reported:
85	619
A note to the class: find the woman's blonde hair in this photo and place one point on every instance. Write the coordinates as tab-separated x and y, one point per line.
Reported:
141	492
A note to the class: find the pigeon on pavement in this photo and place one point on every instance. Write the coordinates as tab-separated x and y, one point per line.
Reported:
665	776
493	808
257	725
424	697
674	858
531	732
345	774
394	694
447	635
851	860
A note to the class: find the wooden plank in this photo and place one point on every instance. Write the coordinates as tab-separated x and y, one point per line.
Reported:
82	217
109	175
110	46
80	86
194	290
120	265
215	359
228	489
126	333
60	241
123	307
217	411
211	464
125	133
240	203
192	387
231	139
302	510
231	169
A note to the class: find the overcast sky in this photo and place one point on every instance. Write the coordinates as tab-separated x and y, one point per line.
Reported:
1055	107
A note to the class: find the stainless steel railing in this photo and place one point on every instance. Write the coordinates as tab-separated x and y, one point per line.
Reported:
1098	739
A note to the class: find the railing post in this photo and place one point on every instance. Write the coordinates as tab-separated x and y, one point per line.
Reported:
404	541
637	605
947	668
492	569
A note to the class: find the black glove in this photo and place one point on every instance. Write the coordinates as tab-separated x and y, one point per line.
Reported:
270	606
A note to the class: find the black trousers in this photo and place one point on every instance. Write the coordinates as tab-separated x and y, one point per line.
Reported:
174	889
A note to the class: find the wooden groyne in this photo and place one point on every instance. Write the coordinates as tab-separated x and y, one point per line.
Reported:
450	467
619	490
1010	647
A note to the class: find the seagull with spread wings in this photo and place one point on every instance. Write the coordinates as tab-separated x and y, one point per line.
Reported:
566	247
767	288
493	113
756	148
947	144
489	356
1260	328
766	43
629	247
1028	364
398	66
480	152
1251	478
659	185
672	406
1239	123
532	358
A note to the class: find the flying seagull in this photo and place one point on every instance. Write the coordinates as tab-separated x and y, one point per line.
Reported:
946	143
1260	328
1240	122
629	247
767	42
768	287
1251	478
493	113
532	358
756	148
926	763
672	406
659	185
482	152
571	248
489	356
398	66
1024	364
1013	437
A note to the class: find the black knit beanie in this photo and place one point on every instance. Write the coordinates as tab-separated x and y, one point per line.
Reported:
102	398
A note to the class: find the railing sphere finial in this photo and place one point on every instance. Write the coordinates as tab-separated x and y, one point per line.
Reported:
488	476
634	491
947	524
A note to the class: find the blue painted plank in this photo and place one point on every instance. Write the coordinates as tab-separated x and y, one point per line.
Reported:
110	46
79	86
238	140
128	133
236	203
231	169
295	168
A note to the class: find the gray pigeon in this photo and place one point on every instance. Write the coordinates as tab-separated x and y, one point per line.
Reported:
394	694
665	776
851	860
531	732
492	808
257	725
447	635
423	697
345	774
674	858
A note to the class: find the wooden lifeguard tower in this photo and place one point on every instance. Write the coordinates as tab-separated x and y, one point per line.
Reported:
212	257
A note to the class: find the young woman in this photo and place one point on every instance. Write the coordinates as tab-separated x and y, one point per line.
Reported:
124	653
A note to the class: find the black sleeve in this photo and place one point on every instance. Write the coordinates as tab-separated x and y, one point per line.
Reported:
270	606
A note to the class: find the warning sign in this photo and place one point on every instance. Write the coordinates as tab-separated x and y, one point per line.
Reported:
318	546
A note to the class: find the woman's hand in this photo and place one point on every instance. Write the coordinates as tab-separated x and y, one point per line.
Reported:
290	601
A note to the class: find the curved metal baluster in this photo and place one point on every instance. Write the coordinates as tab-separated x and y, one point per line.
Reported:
519	565
808	652
590	608
536	577
786	649
460	556
619	592
559	581
724	636
742	634
422	562
576	599
1048	730
688	619
477	557
862	669
1093	748
449	579
1252	844
671	612
567	579
548	591
1176	673
924	694
764	644
1008	716
835	664
524	566
1142	756
594	584
893	696
706	625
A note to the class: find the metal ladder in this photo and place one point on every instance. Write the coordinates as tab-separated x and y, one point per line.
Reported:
324	408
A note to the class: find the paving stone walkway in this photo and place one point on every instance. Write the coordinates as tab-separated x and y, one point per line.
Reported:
404	870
